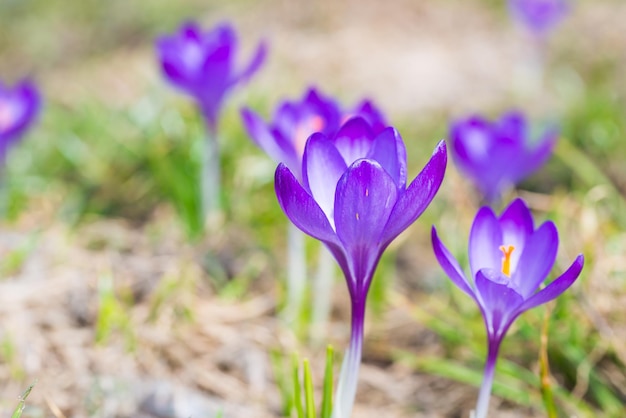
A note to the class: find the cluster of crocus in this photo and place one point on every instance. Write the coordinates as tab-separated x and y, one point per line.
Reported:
509	259
202	65
18	109
539	16
497	155
284	139
353	196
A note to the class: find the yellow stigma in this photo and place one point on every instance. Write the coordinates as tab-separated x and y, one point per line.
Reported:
506	260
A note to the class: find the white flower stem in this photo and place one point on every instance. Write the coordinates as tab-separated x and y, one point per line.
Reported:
322	294
296	273
482	405
348	379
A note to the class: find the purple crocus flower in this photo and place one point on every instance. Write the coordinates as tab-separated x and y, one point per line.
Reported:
353	197
497	155
539	15
509	259
18	108
285	137
202	65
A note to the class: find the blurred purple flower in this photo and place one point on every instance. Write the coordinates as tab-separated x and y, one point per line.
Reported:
285	137
509	260
539	15
497	155
202	65
353	197
18	108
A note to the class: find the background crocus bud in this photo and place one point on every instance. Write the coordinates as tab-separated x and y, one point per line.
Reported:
539	16
19	107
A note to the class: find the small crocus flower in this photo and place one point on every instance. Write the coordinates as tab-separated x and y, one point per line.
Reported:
509	260
18	108
285	137
353	197
202	65
497	155
539	15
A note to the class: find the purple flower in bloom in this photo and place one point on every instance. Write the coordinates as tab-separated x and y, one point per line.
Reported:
18	108
497	155
285	137
202	65
509	259
354	198
539	15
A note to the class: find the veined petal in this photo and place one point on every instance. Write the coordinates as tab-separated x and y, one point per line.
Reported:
365	197
322	167
558	286
385	151
484	242
301	208
450	265
517	226
418	195
536	260
499	302
354	140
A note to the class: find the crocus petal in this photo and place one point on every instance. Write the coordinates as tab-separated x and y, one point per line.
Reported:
471	141
255	63
516	223
484	242
540	155
317	104
274	145
215	73
301	208
354	140
322	167
372	114
512	127
536	260
498	301
450	265
365	197
418	195
385	150
558	286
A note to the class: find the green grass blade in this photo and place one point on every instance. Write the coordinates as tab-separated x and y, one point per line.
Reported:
308	390
297	390
327	399
22	404
544	369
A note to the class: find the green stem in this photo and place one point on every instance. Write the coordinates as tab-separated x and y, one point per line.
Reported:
544	370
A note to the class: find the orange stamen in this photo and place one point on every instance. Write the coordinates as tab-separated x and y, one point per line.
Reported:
506	260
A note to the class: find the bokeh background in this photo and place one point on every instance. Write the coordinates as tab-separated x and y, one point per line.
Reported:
117	305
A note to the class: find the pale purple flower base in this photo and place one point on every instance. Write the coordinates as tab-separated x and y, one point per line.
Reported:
348	379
